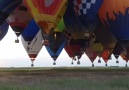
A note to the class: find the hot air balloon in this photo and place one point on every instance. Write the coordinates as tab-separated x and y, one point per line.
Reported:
57	43
19	20
7	7
98	48
70	52
117	51
106	54
3	30
86	12
105	37
32	40
91	55
116	19
74	50
47	13
56	40
75	27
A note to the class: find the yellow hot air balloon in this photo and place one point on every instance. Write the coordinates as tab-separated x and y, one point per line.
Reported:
47	13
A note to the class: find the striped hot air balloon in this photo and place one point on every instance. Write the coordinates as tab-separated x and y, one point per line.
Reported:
31	39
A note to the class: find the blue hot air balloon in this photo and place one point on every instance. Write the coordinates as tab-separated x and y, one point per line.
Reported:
56	44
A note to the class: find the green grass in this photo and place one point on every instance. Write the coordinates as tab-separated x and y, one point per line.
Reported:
64	79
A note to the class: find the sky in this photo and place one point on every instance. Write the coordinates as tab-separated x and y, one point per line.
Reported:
14	55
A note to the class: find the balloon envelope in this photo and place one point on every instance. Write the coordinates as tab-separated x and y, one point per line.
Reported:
47	13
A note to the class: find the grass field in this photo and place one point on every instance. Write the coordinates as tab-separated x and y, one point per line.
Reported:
64	78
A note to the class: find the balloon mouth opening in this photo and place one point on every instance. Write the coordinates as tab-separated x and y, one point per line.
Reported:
32	56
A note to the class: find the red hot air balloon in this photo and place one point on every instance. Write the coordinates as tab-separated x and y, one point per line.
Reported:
19	19
91	55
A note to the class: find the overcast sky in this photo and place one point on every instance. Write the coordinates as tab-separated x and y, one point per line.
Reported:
14	55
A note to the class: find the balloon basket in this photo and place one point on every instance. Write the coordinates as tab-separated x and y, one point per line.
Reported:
32	65
117	61
54	63
17	41
99	61
126	65
78	62
106	64
72	63
92	64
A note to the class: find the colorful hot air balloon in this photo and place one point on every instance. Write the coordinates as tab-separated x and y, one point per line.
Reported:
19	19
75	27
47	13
56	41
114	15
91	55
29	39
86	12
73	47
7	7
3	30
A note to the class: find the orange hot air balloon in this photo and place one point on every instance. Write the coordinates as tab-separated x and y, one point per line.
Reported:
106	55
91	55
47	13
19	20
